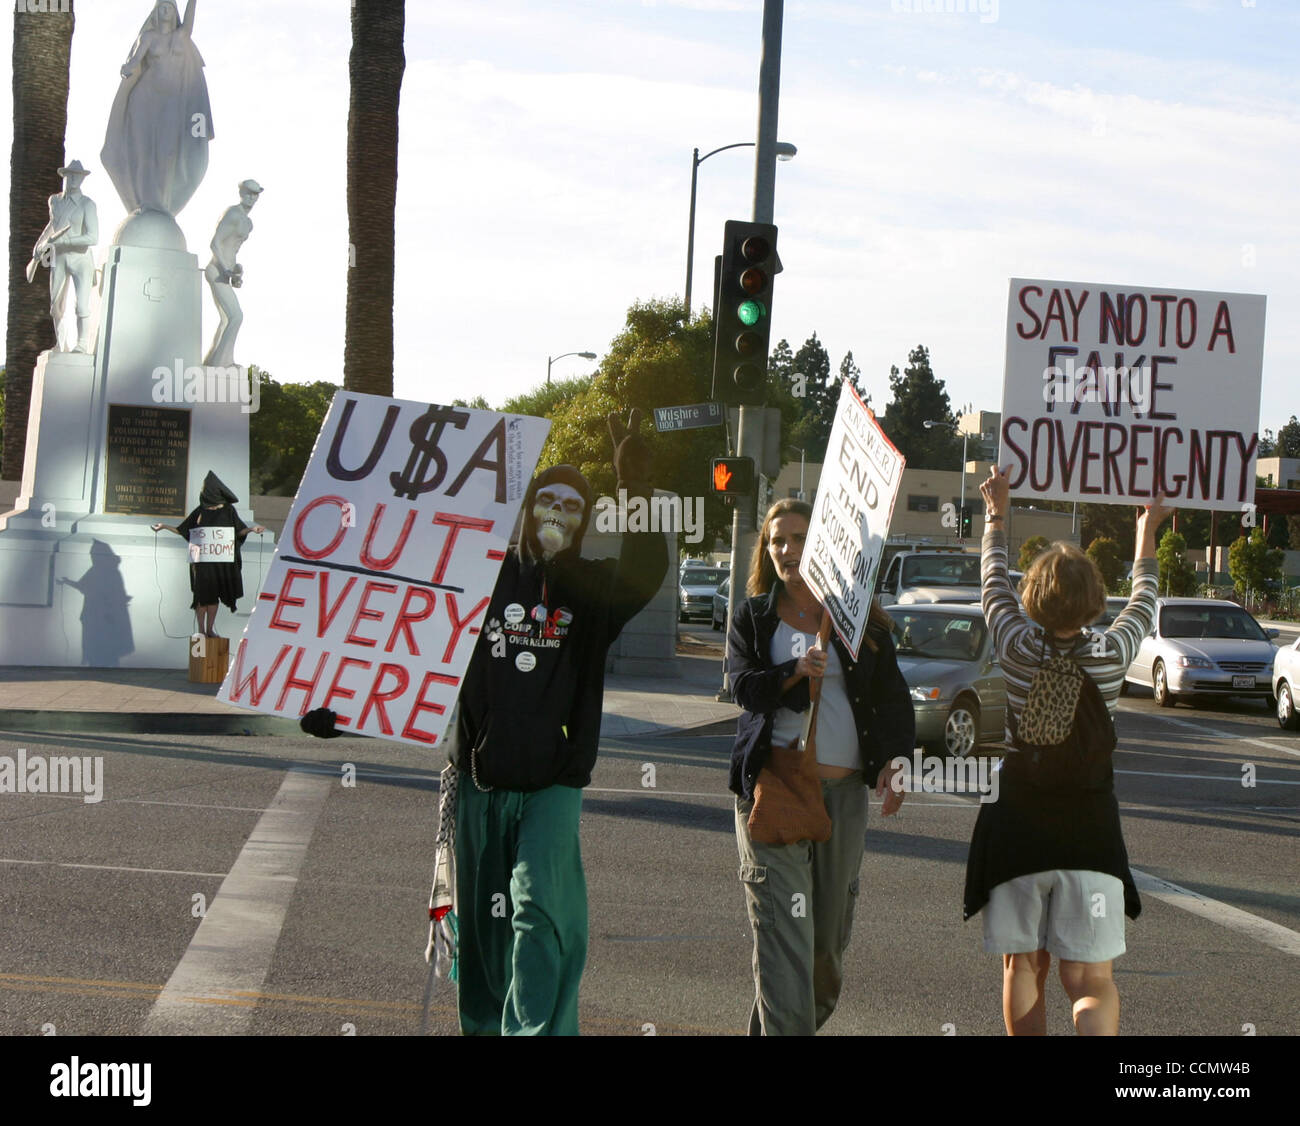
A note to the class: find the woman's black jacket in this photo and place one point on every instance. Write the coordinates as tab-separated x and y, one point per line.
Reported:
878	694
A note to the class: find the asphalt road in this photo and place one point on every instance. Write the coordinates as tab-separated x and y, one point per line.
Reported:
323	902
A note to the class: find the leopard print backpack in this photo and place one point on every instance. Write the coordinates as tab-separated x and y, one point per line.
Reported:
1064	737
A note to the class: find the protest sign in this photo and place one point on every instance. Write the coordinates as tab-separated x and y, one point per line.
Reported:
855	504
1115	393
212	545
385	567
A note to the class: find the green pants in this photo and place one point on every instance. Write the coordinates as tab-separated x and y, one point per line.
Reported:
522	907
800	900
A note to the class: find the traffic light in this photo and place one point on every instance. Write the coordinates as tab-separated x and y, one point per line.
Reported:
965	520
732	476
743	317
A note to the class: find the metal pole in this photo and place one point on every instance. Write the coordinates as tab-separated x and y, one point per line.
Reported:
802	494
961	507
690	232
749	443
548	371
769	95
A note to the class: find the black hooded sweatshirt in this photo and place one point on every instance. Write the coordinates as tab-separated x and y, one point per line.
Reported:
529	710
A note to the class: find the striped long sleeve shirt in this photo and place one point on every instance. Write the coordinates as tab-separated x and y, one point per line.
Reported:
1018	639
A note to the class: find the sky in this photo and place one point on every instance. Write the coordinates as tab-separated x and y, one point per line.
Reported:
944	146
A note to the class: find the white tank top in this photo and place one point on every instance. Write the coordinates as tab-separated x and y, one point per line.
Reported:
837	732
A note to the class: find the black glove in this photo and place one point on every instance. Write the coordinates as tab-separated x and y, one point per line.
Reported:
632	457
320	722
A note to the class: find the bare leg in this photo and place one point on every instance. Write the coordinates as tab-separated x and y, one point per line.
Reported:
1096	1000
207	616
1024	978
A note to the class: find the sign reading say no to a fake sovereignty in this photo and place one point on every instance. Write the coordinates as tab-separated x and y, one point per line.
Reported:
1115	393
374	599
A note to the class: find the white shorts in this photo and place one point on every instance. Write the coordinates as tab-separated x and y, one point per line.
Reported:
1076	915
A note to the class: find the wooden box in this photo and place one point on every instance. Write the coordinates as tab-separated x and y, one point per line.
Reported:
209	657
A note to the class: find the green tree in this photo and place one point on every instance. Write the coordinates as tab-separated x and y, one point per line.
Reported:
1105	552
1177	577
542	400
919	397
658	360
809	371
1287	443
42	49
1252	564
283	431
477	403
375	68
1030	550
1114	522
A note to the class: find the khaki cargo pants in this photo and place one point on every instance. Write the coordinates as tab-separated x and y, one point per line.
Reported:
800	899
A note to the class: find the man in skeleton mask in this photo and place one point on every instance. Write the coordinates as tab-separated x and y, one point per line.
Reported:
524	741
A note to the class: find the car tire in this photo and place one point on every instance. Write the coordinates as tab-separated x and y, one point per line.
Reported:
961	730
1160	686
1287	719
713	620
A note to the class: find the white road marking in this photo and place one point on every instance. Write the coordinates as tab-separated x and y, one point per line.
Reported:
1252	926
123	868
1203	730
1235	779
230	954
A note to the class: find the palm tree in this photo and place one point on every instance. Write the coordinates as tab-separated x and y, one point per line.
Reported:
375	74
42	50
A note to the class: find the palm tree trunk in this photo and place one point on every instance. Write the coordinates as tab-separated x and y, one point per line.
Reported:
375	73
42	49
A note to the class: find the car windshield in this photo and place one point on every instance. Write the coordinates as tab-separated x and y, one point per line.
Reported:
1209	621
948	570
942	636
703	576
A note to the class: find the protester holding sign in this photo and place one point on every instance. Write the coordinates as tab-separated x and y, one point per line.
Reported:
216	567
800	896
524	742
1047	861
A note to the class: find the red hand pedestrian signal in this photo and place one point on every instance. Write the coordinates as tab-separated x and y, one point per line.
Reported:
733	476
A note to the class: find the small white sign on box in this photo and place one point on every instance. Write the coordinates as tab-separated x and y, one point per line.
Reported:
375	597
851	518
1114	393
212	545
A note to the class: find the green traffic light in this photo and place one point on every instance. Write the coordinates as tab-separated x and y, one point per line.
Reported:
751	312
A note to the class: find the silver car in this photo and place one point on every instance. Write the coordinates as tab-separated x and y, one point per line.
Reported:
695	597
946	657
1286	686
1204	646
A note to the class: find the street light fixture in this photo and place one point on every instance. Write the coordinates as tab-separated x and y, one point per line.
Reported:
784	151
551	359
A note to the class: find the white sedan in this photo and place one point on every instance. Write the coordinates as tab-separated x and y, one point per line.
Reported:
1204	646
1286	685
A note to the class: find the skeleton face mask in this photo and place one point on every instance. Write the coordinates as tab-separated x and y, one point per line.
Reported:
557	516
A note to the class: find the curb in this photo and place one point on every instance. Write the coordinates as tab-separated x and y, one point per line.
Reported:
144	723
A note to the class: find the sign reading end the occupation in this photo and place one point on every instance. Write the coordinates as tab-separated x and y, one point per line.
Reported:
850	522
1116	393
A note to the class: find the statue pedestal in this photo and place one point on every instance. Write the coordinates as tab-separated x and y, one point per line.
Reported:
115	442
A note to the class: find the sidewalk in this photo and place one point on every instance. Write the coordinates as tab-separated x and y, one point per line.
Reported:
163	701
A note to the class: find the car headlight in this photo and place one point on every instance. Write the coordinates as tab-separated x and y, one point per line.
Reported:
1194	663
926	695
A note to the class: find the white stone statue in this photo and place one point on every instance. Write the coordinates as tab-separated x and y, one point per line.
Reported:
65	248
156	148
225	275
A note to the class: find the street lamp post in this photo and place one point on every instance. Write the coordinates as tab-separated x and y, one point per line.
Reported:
783	152
551	359
961	504
801	463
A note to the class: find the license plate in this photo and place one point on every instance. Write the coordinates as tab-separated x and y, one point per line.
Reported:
1243	682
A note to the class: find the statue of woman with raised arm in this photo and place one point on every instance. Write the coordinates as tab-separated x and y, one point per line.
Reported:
156	148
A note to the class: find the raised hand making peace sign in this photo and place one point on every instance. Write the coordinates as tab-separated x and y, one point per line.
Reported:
632	457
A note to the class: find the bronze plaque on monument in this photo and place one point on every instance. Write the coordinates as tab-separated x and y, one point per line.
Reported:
148	460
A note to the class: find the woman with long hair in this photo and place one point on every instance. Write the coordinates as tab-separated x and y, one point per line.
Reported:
1047	863
864	720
